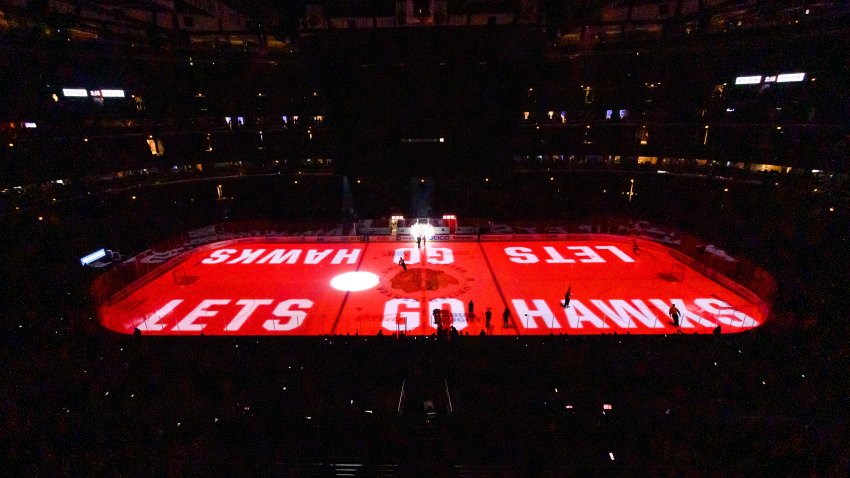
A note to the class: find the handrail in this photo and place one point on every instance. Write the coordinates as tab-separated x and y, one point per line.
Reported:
401	397
449	396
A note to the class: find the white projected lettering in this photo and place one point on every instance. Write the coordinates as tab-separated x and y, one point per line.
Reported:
433	255
282	256
151	323
401	315
629	314
567	255
229	316
407	315
248	308
295	318
522	255
201	311
308	285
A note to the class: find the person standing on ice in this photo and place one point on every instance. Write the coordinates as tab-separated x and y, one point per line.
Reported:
674	314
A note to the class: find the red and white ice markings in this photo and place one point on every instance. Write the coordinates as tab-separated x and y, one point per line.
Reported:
202	310
281	256
528	315
294	318
725	314
581	254
249	306
287	315
267	288
152	324
688	319
403	315
633	315
628	315
433	255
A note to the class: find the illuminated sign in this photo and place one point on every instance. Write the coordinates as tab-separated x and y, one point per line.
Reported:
112	93
83	93
783	78
748	80
29	124
361	288
93	257
75	92
790	77
423	140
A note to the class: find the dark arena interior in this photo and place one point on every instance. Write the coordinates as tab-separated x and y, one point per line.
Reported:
635	154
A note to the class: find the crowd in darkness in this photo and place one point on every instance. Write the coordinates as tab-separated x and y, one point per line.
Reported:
92	403
82	401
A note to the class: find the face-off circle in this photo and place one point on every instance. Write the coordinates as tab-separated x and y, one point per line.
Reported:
448	281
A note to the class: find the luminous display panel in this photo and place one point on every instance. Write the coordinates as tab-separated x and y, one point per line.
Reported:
748	80
112	93
790	77
75	92
100	254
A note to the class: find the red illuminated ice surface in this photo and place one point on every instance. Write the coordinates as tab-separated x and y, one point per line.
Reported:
269	288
